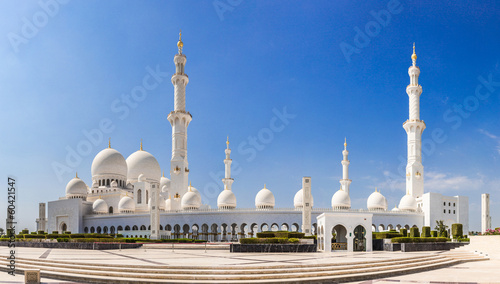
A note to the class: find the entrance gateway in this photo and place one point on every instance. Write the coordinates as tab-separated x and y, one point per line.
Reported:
351	231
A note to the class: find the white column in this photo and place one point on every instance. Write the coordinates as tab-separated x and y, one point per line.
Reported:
485	212
306	206
155	211
414	128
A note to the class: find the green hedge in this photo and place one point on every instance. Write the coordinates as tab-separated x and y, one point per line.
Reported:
265	240
30	236
95	240
403	231
387	235
419	240
434	234
414	233
307	237
457	230
426	232
293	240
280	234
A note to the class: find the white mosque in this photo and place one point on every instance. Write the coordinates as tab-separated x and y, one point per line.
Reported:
132	197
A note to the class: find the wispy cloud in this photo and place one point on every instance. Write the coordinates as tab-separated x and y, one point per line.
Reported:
492	136
442	182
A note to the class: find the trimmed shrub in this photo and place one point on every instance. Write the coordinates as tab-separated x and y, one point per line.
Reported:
77	236
41	232
307	237
387	235
457	230
55	232
119	236
25	231
426	232
62	240
293	240
199	241
249	241
265	235
434	234
419	240
30	236
444	234
403	231
33	233
67	232
414	233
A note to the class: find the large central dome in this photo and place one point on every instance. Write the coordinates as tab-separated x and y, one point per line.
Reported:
142	162
109	162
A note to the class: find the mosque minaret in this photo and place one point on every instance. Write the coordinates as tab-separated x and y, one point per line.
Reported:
414	128
227	180
179	119
345	182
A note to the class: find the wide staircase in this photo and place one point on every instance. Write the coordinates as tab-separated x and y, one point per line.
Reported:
293	273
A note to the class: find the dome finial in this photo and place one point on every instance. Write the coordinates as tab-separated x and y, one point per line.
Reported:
375	189
414	56
109	142
163	175
141	145
180	45
76	176
265	186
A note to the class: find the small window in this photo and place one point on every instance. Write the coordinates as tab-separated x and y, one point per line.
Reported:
453	204
449	211
444	211
444	203
449	204
453	211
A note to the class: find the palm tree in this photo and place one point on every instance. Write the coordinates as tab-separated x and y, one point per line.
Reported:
440	227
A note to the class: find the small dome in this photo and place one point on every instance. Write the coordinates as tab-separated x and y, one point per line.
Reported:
100	206
141	178
164	182
297	199
142	162
114	183
341	200
395	209
376	201
226	199
264	199
76	188
168	204
408	203
126	205
109	162
191	200
192	188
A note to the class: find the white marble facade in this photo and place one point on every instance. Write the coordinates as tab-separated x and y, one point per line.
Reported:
119	198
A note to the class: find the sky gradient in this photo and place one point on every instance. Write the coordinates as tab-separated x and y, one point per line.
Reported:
339	69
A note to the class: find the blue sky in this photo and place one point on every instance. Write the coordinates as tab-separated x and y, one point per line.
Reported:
67	64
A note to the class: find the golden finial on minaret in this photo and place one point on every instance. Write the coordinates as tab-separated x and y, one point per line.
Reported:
180	45
227	142
141	145
109	142
163	175
345	142
414	56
